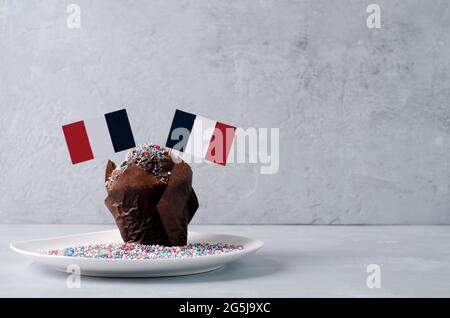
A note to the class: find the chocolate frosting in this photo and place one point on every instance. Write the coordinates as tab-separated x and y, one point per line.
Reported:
148	211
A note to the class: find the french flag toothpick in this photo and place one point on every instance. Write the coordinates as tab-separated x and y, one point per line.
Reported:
97	137
201	137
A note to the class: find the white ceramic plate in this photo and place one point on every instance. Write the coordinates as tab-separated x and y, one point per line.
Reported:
133	268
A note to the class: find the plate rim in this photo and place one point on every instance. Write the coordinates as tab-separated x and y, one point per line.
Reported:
258	245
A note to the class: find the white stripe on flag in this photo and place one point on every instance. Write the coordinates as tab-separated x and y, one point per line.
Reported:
200	136
99	137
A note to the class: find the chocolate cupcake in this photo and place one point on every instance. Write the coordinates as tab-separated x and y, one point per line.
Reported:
150	196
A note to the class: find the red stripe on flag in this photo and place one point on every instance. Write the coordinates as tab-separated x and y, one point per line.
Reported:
220	143
78	142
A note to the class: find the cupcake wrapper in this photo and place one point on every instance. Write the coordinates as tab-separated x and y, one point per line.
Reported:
148	211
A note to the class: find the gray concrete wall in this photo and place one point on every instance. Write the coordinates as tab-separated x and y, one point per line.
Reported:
364	114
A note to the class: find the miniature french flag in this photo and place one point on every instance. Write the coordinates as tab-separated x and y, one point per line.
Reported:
201	137
97	137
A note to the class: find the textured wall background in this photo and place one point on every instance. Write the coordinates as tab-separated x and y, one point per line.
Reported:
364	115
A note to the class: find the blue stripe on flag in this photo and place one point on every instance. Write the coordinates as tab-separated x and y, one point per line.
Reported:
120	130
181	120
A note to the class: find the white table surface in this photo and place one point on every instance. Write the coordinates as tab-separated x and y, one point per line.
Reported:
296	261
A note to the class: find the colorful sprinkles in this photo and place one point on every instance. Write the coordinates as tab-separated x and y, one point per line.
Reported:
137	251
